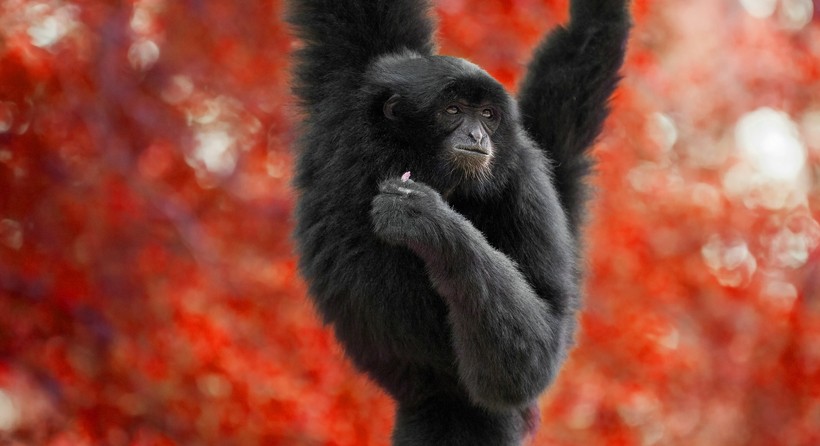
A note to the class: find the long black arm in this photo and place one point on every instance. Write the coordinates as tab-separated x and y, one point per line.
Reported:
509	341
512	314
563	98
341	37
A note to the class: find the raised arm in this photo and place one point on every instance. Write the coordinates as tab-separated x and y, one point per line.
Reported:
563	98
341	37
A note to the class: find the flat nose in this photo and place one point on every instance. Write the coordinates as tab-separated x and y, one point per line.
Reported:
477	135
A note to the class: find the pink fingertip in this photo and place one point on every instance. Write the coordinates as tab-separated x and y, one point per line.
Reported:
405	177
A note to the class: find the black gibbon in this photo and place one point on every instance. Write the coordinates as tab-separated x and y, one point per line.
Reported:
438	217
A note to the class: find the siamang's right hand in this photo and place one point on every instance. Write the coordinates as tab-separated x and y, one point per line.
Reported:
408	212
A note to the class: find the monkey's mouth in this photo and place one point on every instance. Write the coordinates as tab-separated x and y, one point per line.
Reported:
473	150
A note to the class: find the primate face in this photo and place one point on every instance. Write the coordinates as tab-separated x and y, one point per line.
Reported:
468	142
461	129
450	119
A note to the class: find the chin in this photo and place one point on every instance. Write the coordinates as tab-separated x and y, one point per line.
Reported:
470	165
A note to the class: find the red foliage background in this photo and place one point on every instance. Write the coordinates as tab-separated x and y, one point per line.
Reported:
148	293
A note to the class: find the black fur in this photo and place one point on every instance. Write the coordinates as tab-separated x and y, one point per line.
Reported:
456	291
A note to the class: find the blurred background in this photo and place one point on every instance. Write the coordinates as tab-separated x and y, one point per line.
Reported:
148	292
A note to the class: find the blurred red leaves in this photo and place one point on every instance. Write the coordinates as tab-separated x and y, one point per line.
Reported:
148	291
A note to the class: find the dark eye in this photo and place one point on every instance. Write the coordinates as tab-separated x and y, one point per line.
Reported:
487	113
452	110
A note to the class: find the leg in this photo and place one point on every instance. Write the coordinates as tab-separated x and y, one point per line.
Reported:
456	422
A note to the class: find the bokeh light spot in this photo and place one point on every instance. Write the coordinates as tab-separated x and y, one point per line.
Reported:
664	130
11	233
770	141
6	116
215	151
760	9
143	54
48	24
796	14
729	260
9	414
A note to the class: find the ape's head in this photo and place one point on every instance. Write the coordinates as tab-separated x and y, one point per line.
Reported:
443	118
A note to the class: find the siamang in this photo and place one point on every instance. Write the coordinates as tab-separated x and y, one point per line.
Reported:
438	219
